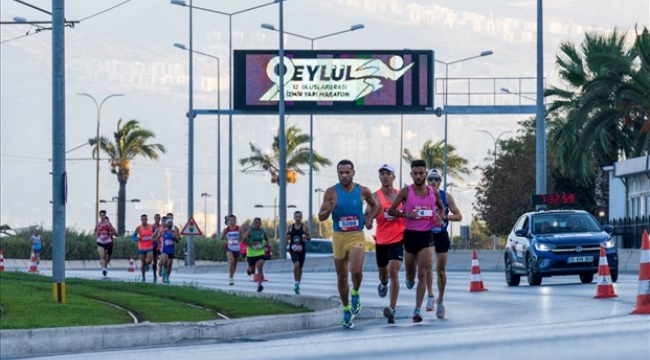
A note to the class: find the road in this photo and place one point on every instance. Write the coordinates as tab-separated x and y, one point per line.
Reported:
559	320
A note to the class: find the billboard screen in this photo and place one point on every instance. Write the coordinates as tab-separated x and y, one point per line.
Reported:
335	81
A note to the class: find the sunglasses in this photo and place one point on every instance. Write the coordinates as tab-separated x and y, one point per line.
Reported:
436	179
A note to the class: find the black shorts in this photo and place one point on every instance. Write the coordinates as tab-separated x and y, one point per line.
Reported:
414	241
298	257
169	255
441	242
253	260
385	253
235	254
107	247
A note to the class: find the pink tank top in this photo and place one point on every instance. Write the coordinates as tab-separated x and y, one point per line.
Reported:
426	208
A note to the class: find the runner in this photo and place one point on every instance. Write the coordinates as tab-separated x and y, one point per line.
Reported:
441	245
177	231
144	233
169	239
104	231
419	203
388	237
255	239
344	202
296	237
37	245
232	235
156	246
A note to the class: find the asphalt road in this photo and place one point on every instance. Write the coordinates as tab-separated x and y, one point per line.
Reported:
559	320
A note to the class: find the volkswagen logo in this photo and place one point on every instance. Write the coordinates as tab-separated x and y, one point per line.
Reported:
578	248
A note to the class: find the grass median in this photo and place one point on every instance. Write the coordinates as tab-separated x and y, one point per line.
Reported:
26	303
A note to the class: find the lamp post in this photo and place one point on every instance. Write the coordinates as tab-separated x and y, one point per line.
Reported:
496	141
275	216
182	47
521	96
98	107
230	80
311	116
205	197
318	191
445	102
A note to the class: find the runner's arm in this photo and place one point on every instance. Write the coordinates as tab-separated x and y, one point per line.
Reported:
372	203
401	197
455	211
329	201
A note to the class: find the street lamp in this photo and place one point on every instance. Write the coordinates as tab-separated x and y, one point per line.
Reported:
205	197
508	91
182	47
496	140
98	150
311	116
230	79
318	191
445	102
275	216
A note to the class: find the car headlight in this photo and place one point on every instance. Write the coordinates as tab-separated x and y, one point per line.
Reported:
543	247
608	244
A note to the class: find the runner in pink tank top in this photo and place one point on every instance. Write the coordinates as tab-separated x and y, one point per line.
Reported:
422	209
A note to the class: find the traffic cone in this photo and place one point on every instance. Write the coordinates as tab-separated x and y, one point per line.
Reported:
33	267
605	287
131	266
2	261
643	295
477	283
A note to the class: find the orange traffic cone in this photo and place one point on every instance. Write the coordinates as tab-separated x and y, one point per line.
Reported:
131	266
643	295
33	266
477	283
605	287
2	261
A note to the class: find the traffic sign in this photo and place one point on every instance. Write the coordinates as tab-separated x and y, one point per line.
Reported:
191	228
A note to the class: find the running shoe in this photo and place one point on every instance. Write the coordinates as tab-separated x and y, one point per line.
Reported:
146	268
143	280
440	312
155	279
166	279
231	282
260	288
389	313
356	304
296	288
430	306
164	274
417	317
347	319
104	272
409	284
382	290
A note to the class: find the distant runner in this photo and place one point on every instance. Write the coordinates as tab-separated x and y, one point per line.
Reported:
297	235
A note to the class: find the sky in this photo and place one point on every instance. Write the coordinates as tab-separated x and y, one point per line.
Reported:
129	50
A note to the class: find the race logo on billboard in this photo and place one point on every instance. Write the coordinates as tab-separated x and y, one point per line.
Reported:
326	79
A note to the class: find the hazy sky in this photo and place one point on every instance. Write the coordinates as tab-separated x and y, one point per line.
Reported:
129	50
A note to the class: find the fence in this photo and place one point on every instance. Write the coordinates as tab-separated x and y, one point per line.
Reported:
630	230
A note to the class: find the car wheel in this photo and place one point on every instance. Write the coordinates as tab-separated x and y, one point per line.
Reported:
586	278
512	279
614	274
534	279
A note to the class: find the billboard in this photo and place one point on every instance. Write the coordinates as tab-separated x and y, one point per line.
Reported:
335	81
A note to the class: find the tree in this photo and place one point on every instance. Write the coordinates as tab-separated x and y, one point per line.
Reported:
602	109
130	141
297	155
433	154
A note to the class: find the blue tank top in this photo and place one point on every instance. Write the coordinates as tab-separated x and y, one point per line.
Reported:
348	212
445	223
169	245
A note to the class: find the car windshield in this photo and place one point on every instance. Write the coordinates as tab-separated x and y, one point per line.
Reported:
319	247
564	223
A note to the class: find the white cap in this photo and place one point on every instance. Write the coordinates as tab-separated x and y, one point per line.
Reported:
387	167
169	221
434	172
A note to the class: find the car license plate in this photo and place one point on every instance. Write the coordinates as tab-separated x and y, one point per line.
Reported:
579	259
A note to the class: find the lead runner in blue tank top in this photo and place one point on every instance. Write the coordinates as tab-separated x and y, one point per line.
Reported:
344	201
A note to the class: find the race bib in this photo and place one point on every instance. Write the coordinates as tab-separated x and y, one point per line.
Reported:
257	246
169	242
349	223
424	212
146	238
388	217
296	247
233	241
103	235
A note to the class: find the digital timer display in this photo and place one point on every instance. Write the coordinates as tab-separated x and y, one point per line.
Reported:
554	199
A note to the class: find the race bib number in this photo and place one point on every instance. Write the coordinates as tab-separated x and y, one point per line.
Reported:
257	246
349	223
233	241
103	235
296	247
424	212
146	238
388	217
169	242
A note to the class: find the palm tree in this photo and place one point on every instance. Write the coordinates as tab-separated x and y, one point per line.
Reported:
434	155
130	142
297	155
600	115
